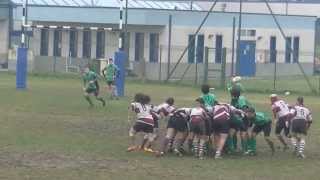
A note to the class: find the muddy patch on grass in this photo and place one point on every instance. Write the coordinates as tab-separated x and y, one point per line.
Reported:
59	161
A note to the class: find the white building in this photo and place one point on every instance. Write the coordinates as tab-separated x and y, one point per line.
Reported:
148	36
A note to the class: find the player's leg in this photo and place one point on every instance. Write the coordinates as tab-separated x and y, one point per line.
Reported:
87	97
267	131
230	141
169	135
202	144
302	144
195	145
132	134
221	142
301	132
280	125
179	139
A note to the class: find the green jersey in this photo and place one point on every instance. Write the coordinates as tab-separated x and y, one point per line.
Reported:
209	99
110	72
89	80
261	119
235	85
240	103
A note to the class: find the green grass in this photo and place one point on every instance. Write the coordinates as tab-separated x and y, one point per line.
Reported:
48	132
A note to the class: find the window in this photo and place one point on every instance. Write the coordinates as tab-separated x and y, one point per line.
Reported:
57	38
44	42
154	47
100	51
273	49
200	48
296	45
139	46
73	44
191	52
86	44
248	32
218	54
288	50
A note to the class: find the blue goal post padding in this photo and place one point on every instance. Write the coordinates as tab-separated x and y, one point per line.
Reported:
21	69
120	58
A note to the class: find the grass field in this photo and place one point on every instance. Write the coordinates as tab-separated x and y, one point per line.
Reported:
48	133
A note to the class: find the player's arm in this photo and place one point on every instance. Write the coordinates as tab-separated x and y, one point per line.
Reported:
309	120
104	71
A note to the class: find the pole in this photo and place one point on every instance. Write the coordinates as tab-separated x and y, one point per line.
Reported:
275	75
189	44
287	4
206	64
169	46
120	26
196	60
239	37
160	64
126	27
23	23
233	39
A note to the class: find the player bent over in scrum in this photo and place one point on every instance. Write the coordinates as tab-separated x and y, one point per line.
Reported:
198	128
144	122
177	129
299	127
260	122
91	86
282	115
221	125
160	112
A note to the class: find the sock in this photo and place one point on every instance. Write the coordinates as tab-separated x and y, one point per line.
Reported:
302	145
230	144
89	100
294	144
235	141
170	144
190	146
244	145
164	145
102	101
201	148
254	144
178	144
218	153
196	147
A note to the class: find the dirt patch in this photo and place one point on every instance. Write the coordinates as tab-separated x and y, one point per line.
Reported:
59	161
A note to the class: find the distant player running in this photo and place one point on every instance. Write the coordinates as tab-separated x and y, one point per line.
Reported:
282	115
300	124
260	122
110	73
91	86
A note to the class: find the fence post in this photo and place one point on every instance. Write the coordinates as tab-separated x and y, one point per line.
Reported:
160	63
206	64
223	68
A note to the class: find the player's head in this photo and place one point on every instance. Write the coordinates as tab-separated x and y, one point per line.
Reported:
139	97
200	102
250	112
86	69
170	101
146	99
235	92
273	98
300	100
205	88
110	60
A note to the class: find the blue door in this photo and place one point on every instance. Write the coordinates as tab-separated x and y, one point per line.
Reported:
247	64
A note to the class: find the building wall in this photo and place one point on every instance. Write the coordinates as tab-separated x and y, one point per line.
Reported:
4	41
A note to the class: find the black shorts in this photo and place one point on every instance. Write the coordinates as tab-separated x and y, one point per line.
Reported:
95	92
178	123
281	125
143	127
244	125
110	83
156	123
198	127
221	126
299	126
266	128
